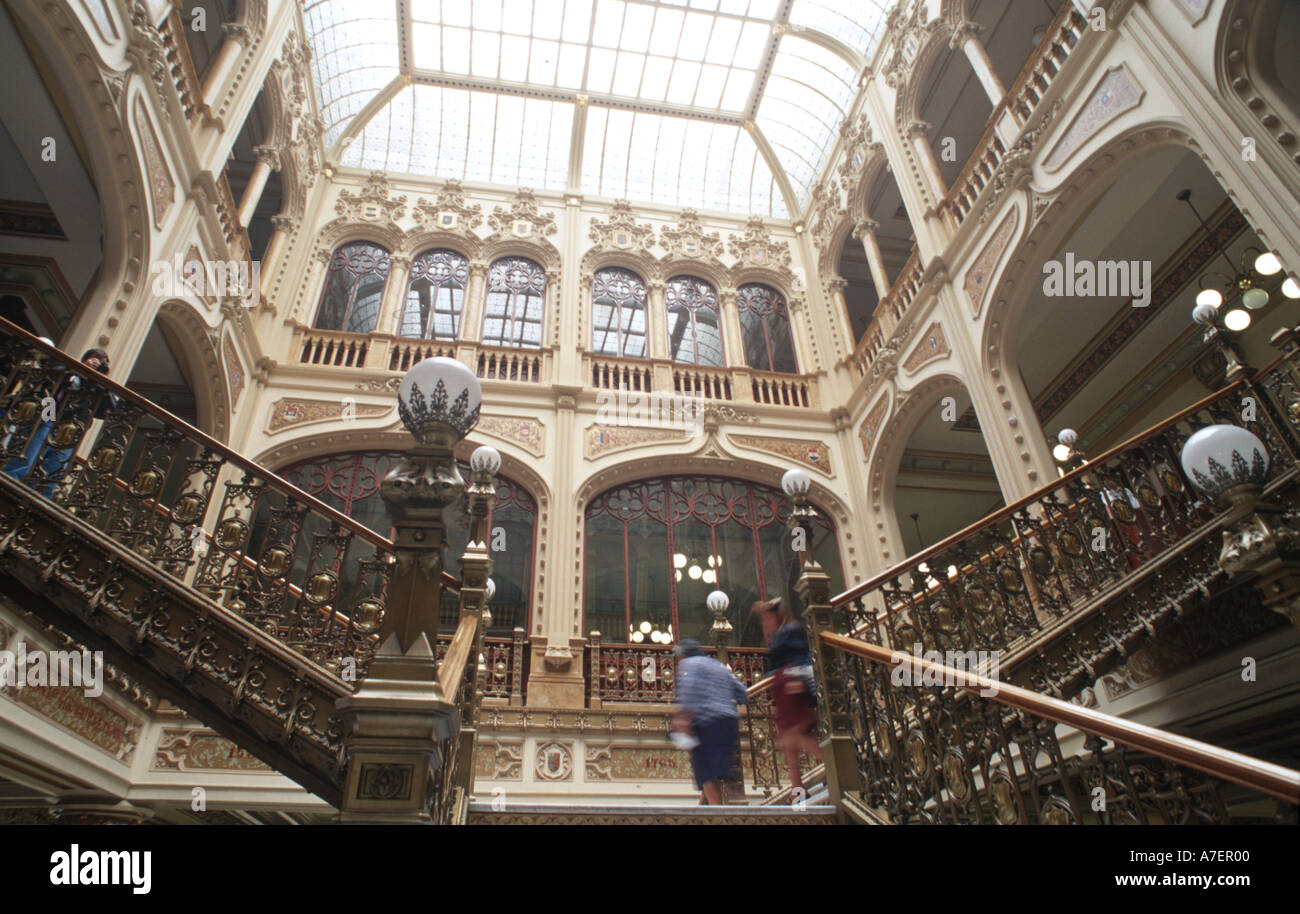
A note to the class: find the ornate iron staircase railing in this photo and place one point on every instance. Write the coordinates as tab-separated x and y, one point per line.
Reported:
216	583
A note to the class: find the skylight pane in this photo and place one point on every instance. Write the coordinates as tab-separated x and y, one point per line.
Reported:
542	64
627	74
516	16
667	32
455	50
654	84
354	56
695	36
681	88
426	10
600	70
485	54
577	20
426	52
609	23
486	14
712	81
739	82
722	43
636	27
548	16
514	58
573	58
752	45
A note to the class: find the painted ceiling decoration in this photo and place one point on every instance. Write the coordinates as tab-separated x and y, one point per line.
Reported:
721	105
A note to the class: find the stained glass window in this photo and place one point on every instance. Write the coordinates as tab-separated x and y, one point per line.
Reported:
765	328
354	288
694	322
435	296
618	313
656	549
350	483
516	301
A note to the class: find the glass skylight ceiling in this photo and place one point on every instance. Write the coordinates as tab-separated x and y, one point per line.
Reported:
488	90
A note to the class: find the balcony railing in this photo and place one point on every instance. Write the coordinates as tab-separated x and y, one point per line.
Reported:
228	217
180	67
888	314
647	672
377	352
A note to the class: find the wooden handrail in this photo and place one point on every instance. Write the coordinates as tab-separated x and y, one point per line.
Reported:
1010	510
1049	37
452	668
1256	774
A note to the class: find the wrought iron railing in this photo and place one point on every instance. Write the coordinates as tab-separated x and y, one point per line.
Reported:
975	751
1019	574
647	672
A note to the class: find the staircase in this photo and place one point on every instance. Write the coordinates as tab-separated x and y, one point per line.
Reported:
258	609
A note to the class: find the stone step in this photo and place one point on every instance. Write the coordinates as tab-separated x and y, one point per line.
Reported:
482	813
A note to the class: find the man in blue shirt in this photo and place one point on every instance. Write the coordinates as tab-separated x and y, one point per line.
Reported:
707	694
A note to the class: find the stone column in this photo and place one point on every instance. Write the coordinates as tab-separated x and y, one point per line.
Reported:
918	135
268	160
732	341
471	319
865	231
966	37
390	310
284	226
226	57
656	326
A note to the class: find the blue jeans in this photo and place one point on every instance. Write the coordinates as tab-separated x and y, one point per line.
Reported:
52	462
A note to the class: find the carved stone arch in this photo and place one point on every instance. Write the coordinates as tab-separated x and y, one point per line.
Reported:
713	273
537	250
781	280
252	14
416	243
596	259
829	258
198	344
873	169
98	100
1243	49
934	37
1071	198
339	232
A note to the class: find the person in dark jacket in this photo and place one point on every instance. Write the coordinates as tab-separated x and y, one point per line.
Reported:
794	699
54	462
706	696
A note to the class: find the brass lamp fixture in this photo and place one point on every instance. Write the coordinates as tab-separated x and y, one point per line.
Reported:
1229	464
718	602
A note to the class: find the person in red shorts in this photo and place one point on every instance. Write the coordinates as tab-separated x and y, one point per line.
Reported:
793	696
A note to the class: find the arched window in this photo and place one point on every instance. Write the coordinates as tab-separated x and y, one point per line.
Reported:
435	296
694	323
516	300
618	313
350	483
354	288
656	549
765	328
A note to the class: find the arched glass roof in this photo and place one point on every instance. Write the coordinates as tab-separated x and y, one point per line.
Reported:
730	105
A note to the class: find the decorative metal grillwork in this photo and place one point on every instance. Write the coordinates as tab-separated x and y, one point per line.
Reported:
765	329
618	313
694	322
435	295
354	288
516	301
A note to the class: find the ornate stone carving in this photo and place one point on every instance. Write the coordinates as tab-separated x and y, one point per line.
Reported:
449	213
527	433
934	345
234	371
622	232
689	240
1116	92
380	385
871	425
523	219
814	454
554	761
202	750
601	439
717	413
756	247
979	278
499	760
906	32
289	411
161	186
373	203
1014	169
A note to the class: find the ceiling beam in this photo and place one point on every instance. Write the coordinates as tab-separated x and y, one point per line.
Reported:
362	117
832	44
779	28
577	144
572	96
778	171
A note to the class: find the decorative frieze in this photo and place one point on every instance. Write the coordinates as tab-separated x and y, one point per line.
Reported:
499	759
756	247
810	454
202	750
602	439
449	213
161	186
979	278
622	232
234	370
933	345
1117	92
527	433
871	425
288	411
689	241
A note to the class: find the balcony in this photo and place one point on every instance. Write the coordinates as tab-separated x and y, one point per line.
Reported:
728	385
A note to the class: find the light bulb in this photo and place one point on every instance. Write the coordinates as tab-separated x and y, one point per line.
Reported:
1291	288
638	637
645	627
1267	264
952	571
709	576
710	561
679	560
1061	452
678	574
923	568
1236	319
1211	297
694	572
1204	313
